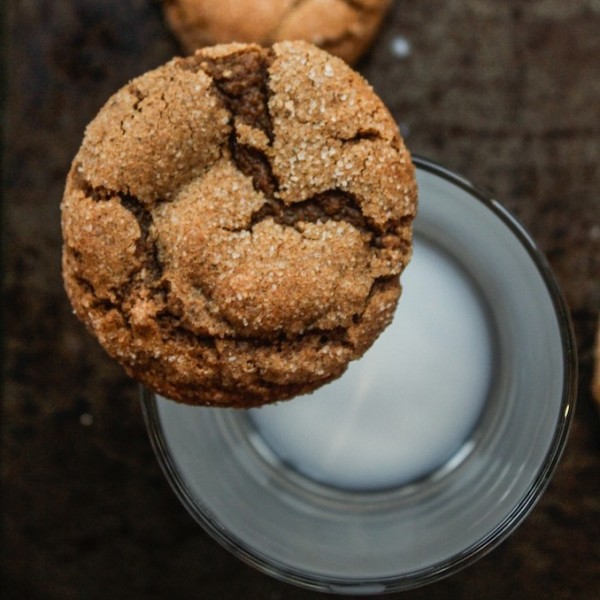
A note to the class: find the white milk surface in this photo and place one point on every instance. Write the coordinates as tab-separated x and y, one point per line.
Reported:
409	405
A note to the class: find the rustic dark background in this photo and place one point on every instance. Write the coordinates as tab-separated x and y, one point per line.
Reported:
505	92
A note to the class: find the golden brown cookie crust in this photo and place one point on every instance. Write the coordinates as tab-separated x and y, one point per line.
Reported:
235	223
345	28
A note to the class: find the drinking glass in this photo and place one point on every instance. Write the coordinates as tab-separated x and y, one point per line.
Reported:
429	451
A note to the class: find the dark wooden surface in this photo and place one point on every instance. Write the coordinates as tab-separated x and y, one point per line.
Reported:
506	93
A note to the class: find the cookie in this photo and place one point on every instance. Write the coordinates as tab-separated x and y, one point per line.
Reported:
235	223
342	27
596	375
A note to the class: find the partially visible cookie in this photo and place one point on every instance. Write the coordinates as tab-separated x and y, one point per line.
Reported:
235	223
596	375
344	28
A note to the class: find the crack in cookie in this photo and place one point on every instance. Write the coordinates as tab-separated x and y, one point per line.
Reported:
147	249
334	205
254	164
242	82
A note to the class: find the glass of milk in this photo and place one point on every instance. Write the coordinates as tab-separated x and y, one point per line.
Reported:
429	451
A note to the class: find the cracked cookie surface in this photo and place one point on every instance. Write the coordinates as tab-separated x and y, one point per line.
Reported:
344	28
235	223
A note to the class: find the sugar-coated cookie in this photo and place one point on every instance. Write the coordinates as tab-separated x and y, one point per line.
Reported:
342	27
235	223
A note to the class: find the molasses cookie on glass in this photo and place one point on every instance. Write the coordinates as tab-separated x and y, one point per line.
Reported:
344	28
235	223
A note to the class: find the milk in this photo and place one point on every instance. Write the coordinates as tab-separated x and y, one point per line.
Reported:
409	405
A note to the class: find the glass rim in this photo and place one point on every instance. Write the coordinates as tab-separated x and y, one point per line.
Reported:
468	555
